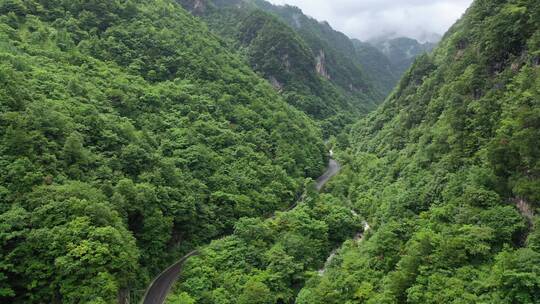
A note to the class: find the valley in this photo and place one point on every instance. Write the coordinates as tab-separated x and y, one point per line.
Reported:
160	287
243	152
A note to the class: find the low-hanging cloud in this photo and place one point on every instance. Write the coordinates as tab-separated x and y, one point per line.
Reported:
368	19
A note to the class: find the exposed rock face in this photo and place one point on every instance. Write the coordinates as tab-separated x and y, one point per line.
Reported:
275	83
525	209
536	61
123	296
321	65
199	6
196	7
286	62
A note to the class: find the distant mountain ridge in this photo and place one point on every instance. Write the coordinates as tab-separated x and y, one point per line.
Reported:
447	173
319	70
307	62
384	75
402	51
377	65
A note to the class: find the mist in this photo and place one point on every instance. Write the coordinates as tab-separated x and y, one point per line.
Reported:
424	20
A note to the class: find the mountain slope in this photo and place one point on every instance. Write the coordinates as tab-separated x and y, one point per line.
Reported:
447	173
308	70
378	66
401	51
338	50
318	69
129	135
350	54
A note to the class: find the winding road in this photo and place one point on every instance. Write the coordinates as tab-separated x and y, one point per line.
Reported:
331	171
159	288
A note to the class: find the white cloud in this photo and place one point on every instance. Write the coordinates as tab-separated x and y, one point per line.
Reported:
365	19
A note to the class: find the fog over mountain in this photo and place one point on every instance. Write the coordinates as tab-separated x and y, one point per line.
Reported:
423	20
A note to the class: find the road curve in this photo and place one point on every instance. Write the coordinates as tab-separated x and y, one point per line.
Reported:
333	169
159	288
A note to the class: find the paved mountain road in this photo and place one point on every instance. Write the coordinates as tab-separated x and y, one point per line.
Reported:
333	169
159	288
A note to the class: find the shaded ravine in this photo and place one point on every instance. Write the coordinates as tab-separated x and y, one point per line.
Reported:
360	236
160	287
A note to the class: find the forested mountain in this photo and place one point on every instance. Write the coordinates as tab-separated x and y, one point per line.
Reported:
381	61
386	60
342	64
317	69
447	174
132	132
129	134
384	73
299	56
401	51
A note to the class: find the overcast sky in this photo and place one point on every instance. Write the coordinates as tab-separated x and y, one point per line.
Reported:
366	19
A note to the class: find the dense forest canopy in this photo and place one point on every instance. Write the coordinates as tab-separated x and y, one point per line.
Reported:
309	73
317	69
132	132
129	134
446	174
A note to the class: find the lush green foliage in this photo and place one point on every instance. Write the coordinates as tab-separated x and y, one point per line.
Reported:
401	52
128	135
342	64
267	261
318	70
374	66
447	173
304	62
384	73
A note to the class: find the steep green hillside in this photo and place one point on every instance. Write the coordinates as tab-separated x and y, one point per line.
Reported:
377	65
381	67
334	47
128	135
268	261
447	174
317	69
402	51
304	66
